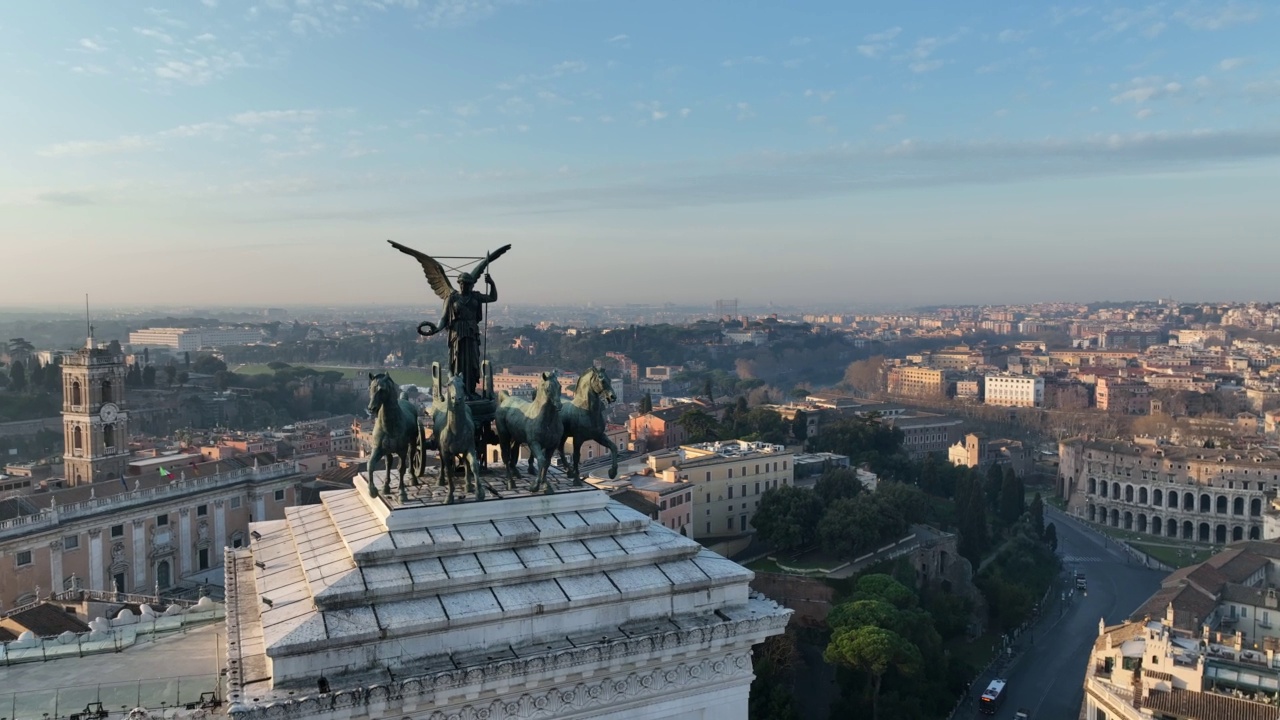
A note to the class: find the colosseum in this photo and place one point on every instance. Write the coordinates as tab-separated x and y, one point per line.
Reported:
1198	494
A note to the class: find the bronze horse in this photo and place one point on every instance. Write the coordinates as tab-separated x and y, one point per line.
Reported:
455	432
396	432
536	424
583	420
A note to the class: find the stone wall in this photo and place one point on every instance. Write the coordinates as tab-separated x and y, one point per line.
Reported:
811	598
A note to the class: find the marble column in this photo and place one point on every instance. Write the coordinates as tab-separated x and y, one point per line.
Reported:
219	532
55	566
184	541
140	560
259	506
97	580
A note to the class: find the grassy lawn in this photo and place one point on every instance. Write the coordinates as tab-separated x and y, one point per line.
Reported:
812	561
1170	556
1055	501
764	565
402	376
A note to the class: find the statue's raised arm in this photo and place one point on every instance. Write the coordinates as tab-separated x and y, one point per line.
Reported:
463	310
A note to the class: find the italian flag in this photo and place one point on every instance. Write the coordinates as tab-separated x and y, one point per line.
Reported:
165	473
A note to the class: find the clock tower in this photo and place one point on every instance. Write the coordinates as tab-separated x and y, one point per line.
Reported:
94	422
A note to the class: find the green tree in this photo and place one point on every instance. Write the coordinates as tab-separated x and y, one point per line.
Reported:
995	480
788	517
1051	536
207	365
708	391
17	376
646	404
700	426
836	484
908	499
874	651
1012	500
149	376
886	588
183	377
1037	515
170	373
853	526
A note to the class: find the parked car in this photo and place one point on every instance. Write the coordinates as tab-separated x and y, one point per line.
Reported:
1022	714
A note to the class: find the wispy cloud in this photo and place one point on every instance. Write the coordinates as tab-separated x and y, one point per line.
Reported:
620	37
744	110
155	34
821	95
1141	90
91	45
1231	63
877	44
1013	36
920	58
1218	16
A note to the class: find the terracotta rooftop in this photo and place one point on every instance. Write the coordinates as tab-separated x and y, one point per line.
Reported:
45	620
1198	705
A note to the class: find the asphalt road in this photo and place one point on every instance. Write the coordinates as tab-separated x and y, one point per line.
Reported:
1047	678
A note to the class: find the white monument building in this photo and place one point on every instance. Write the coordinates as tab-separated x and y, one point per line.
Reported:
566	605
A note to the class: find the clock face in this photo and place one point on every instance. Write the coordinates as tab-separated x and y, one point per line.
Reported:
109	412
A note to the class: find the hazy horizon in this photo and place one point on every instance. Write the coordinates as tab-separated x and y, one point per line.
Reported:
836	155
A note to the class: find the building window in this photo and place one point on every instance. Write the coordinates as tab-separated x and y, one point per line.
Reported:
235	503
70	542
708	528
202	510
731	472
280	496
708	476
162	520
744	489
757	488
117	531
24	557
730	492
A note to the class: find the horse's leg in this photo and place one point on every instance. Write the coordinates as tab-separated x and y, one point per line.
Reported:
613	455
577	458
372	467
473	462
404	465
386	479
564	438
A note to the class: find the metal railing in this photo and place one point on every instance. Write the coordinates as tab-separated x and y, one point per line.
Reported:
84	702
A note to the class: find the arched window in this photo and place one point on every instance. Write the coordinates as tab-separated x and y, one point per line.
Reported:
163	578
77	438
1222	505
1255	507
1237	506
109	436
75	393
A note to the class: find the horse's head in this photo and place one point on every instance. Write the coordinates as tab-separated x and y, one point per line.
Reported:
549	388
456	391
600	384
382	391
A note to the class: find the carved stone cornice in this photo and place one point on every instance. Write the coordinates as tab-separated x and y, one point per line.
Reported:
95	533
184	512
138	523
219	503
55	545
552	702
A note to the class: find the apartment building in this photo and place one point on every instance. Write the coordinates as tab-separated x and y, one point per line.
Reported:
727	479
136	535
192	339
1127	396
913	381
1190	493
1013	390
1204	646
923	433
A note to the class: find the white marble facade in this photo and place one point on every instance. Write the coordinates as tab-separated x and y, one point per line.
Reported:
527	606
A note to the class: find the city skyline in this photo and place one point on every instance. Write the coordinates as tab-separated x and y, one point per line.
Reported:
192	154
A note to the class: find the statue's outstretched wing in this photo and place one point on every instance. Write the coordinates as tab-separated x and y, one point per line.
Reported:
434	271
485	262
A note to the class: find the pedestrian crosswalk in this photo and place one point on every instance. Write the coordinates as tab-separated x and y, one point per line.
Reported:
1073	559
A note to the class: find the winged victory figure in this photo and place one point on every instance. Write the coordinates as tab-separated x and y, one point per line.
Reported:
463	311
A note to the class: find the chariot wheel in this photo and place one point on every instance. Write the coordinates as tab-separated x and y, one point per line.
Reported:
418	459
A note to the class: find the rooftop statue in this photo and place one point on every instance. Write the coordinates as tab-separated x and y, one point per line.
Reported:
463	312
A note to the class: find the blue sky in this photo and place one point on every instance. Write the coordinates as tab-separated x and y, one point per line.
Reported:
219	151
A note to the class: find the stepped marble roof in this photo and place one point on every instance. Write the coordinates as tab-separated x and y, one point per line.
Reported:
360	589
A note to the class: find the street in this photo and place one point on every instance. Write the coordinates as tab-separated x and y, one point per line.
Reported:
1048	676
